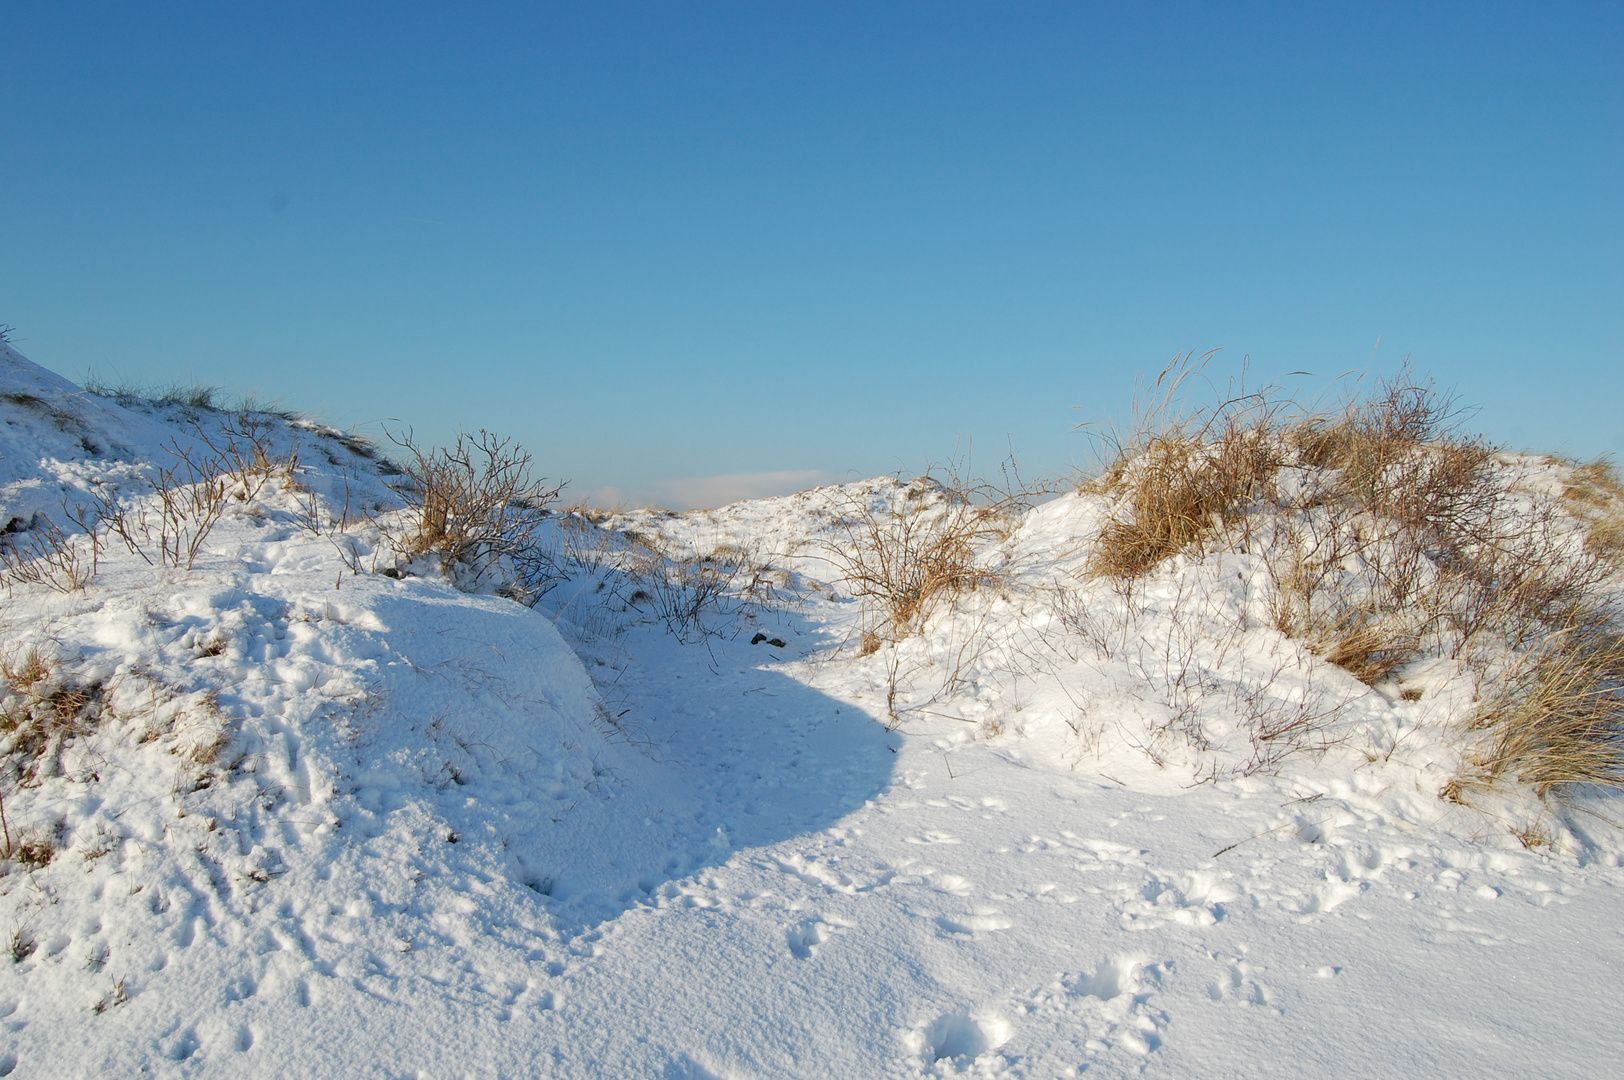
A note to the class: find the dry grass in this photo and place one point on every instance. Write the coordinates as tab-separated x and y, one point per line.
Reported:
1181	479
1595	491
1556	718
1387	535
1368	518
39	711
188	395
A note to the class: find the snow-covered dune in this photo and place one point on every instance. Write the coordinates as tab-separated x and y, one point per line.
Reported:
283	813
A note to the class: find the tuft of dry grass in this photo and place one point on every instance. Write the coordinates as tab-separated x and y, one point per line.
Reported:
1355	512
1180	479
39	710
1556	718
200	396
1597	495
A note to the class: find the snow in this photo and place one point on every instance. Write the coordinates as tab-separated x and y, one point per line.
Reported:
333	822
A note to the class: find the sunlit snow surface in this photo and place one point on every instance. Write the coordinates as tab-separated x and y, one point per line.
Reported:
451	836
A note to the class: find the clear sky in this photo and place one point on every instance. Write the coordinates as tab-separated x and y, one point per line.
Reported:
775	243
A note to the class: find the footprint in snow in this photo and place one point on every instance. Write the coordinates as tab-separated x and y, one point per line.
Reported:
1196	899
817	873
805	937
980	920
1237	985
959	1036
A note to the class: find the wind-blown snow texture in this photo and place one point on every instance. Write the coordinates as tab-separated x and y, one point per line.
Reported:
338	823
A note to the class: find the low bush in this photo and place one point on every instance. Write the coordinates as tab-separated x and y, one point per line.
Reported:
907	556
476	507
42	554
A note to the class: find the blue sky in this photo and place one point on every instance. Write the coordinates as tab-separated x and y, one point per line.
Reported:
773	243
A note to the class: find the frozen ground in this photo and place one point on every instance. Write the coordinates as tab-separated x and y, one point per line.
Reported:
313	820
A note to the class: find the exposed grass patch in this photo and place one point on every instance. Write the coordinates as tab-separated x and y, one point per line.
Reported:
1555	719
129	394
1597	495
40	709
1387	534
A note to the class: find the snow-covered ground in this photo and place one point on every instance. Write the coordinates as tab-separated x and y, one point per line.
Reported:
305	818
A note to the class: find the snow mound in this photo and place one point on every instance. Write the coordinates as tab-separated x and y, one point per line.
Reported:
209	769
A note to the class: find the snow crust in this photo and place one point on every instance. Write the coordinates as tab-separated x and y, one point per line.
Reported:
330	822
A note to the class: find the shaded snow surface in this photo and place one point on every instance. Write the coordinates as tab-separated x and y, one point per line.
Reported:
337	823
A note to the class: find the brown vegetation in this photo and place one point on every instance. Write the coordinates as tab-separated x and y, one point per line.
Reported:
1387	535
476	506
923	548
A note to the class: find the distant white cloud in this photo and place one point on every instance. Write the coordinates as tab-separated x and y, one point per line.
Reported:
702	492
708	491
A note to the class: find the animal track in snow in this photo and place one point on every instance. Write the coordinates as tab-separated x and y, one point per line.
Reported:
1237	984
934	836
961	1036
814	872
1196	899
805	937
1079	1016
980	920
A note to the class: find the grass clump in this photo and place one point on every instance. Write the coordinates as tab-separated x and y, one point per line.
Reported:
39	711
1597	496
198	396
1180	480
1386	535
1555	718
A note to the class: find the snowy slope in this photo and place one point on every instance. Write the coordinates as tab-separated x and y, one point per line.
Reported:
316	820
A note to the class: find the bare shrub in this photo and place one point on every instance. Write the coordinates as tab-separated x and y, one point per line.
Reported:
43	554
477	508
246	454
190	497
681	592
908	557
